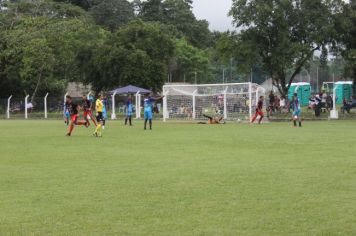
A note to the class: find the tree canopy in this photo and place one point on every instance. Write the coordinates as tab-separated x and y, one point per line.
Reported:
44	44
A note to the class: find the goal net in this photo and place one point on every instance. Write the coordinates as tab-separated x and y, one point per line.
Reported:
235	101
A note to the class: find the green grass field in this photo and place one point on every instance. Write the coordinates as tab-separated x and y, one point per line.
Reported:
179	179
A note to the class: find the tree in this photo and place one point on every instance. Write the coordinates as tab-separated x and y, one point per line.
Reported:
137	53
39	50
190	62
178	13
112	14
281	36
346	26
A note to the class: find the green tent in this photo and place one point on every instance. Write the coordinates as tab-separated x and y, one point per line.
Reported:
303	90
343	91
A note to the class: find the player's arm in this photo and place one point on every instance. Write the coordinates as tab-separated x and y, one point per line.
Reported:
156	99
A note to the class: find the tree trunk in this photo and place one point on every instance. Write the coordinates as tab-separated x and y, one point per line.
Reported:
36	89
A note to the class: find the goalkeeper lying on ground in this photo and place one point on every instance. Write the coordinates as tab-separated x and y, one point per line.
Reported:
213	120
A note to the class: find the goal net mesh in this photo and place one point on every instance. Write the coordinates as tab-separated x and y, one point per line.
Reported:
233	101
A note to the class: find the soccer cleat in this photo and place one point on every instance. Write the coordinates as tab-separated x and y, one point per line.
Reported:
68	134
95	134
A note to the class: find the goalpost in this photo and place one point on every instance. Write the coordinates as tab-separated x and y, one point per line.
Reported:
234	101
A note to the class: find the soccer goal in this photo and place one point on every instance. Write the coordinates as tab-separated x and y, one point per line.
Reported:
235	101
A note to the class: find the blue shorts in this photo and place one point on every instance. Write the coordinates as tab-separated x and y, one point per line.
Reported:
296	113
148	115
128	113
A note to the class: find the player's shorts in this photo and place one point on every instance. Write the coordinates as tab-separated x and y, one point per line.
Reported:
99	117
74	118
128	113
260	113
296	113
87	114
148	115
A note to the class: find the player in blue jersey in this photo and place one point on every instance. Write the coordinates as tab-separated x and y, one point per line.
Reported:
296	110
129	111
66	115
105	114
148	109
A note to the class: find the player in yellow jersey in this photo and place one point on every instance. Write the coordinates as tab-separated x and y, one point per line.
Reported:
99	116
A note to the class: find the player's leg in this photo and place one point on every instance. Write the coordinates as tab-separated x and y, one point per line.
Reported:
99	119
130	120
126	119
92	118
103	118
150	116
73	121
299	119
295	118
206	116
254	117
86	114
146	119
261	116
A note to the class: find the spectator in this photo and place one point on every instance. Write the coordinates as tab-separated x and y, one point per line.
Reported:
323	97
317	105
29	107
276	103
353	101
329	103
282	103
311	105
347	105
271	102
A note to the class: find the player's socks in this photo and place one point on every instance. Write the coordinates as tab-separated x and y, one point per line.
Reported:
150	124
126	121
260	120
130	121
145	124
300	124
71	127
98	128
295	122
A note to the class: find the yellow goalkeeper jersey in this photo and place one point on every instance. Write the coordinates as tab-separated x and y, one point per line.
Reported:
99	105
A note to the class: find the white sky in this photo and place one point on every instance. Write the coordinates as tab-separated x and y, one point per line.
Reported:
214	11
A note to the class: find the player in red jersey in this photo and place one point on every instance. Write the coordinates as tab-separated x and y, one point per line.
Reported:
259	111
73	111
88	114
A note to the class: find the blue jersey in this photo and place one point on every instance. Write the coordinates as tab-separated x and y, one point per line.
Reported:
296	105
147	103
129	107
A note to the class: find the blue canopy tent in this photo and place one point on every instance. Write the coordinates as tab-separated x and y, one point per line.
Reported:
130	89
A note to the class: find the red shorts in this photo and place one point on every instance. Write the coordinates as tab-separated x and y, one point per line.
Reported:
74	118
87	113
259	113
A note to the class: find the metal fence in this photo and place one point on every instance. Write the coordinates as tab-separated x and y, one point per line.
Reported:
53	107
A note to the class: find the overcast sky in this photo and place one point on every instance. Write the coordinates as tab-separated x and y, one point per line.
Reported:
214	11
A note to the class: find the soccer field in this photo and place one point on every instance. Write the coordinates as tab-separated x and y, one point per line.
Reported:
179	179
